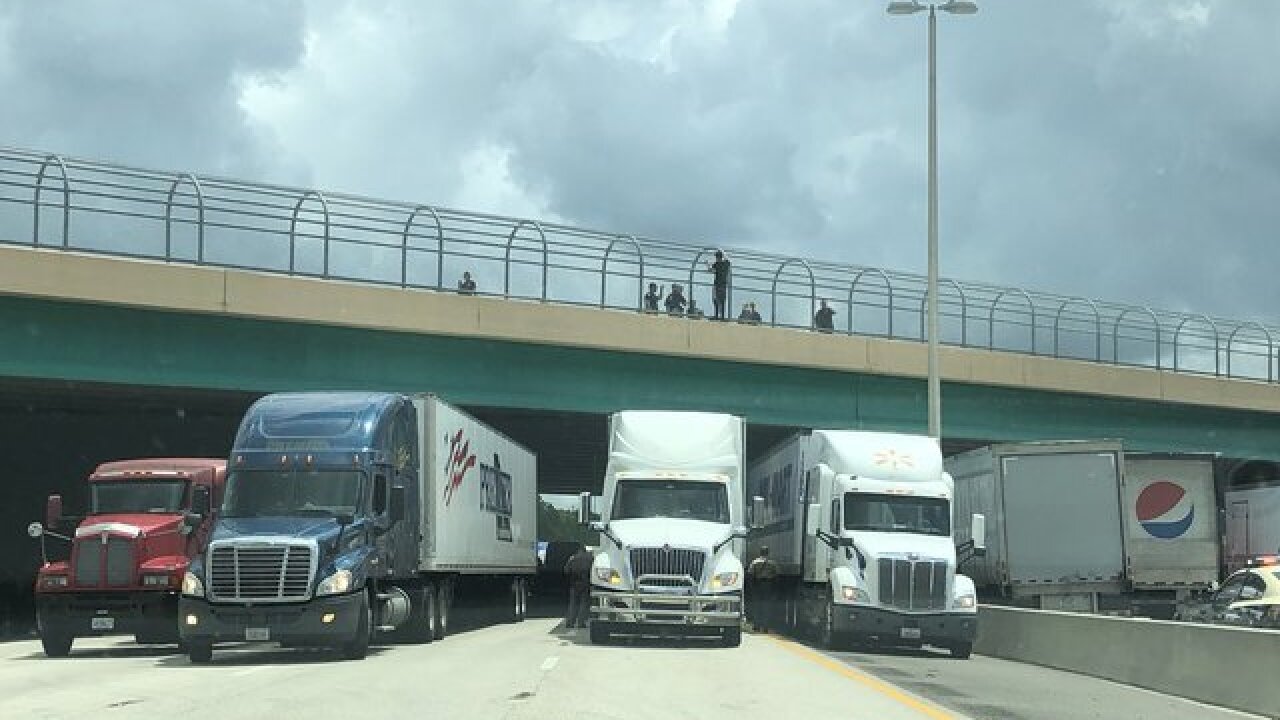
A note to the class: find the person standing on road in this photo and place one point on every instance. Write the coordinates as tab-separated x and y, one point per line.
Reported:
762	576
720	284
578	570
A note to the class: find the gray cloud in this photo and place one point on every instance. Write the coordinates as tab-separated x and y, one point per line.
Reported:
1121	151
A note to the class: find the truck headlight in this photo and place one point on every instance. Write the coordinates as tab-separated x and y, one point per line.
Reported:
608	575
53	581
966	602
157	580
335	584
192	585
724	579
854	594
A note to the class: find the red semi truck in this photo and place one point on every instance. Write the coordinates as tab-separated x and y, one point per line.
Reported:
146	520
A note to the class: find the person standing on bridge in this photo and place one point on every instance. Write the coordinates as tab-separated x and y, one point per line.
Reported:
762	578
822	320
719	285
651	298
676	301
578	570
467	286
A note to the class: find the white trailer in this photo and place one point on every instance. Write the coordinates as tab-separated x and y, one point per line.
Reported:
1253	524
1172	535
1055	525
860	524
670	559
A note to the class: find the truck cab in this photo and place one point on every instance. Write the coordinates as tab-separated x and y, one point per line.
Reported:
308	524
146	520
874	558
671	523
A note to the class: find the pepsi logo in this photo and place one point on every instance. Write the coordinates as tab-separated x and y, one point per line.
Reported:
1164	510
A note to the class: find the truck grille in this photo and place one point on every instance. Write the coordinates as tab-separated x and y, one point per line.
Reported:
913	584
671	564
260	572
90	554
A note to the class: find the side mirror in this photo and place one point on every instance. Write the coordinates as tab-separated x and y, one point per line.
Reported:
978	534
53	512
190	522
757	512
584	509
396	506
35	530
742	531
845	542
200	504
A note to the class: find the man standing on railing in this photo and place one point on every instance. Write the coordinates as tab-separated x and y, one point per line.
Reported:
720	285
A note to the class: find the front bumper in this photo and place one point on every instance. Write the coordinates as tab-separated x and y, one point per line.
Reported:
295	623
892	626
643	608
86	614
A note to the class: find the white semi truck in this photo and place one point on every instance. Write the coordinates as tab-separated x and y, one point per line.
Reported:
671	527
859	524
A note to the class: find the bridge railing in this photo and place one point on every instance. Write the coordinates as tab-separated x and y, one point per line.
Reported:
67	203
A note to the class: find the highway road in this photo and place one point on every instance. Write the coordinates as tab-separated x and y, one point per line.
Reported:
539	671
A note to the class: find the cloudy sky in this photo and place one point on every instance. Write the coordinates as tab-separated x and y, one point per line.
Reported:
1121	149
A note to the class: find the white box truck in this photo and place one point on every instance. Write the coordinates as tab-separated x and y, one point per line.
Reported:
1253	524
671	527
350	514
1055	528
860	525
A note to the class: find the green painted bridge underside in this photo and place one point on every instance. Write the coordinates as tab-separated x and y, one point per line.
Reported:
68	341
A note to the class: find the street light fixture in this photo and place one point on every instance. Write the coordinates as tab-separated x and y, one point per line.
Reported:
954	7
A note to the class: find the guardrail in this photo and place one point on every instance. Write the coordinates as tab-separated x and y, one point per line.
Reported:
1227	666
72	204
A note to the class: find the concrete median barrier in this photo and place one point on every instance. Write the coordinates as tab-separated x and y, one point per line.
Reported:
1230	667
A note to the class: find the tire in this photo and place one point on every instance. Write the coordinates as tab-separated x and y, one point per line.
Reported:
828	638
599	634
421	626
732	637
961	651
514	602
357	648
199	652
442	608
524	599
56	645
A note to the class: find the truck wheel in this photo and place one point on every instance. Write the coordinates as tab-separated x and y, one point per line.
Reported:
732	637
599	633
961	651
827	635
357	648
524	599
514	602
421	625
443	600
56	645
199	652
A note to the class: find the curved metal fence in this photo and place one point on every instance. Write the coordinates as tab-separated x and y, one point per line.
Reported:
72	204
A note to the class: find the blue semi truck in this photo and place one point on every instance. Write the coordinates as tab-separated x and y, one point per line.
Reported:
347	515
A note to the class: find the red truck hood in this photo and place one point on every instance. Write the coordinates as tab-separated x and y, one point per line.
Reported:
131	525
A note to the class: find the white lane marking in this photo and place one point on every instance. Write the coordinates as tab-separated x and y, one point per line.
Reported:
550	663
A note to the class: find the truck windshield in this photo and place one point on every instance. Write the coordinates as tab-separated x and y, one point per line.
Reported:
127	496
688	499
896	513
292	492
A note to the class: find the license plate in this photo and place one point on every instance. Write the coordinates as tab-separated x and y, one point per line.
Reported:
257	634
910	633
102	623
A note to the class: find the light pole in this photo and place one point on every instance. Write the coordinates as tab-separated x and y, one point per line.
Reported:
955	7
